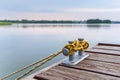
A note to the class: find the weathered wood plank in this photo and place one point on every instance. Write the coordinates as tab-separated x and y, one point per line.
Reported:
104	57
99	67
31	77
102	64
64	73
114	48
102	51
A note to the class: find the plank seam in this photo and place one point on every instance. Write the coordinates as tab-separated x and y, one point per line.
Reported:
40	78
103	53
107	44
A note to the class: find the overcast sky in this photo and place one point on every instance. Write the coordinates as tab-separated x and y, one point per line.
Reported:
60	9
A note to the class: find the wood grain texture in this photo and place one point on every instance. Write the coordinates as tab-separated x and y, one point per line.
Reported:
103	57
64	73
114	48
99	67
102	64
103	51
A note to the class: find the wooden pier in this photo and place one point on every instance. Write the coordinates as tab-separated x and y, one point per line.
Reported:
103	63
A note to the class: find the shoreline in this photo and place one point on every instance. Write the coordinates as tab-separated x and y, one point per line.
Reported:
5	23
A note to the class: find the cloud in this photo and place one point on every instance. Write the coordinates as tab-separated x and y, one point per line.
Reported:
91	10
39	16
66	14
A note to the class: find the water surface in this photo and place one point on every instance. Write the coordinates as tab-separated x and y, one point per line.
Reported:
22	44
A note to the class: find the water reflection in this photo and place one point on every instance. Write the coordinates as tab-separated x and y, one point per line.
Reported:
93	25
97	25
49	25
62	25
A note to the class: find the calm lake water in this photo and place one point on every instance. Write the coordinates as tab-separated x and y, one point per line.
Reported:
23	44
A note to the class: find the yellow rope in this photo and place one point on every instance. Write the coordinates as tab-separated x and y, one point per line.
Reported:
13	73
76	45
38	65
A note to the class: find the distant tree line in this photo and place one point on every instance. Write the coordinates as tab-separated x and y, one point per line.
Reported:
40	21
92	21
89	21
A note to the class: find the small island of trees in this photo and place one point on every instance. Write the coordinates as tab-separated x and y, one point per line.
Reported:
94	21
